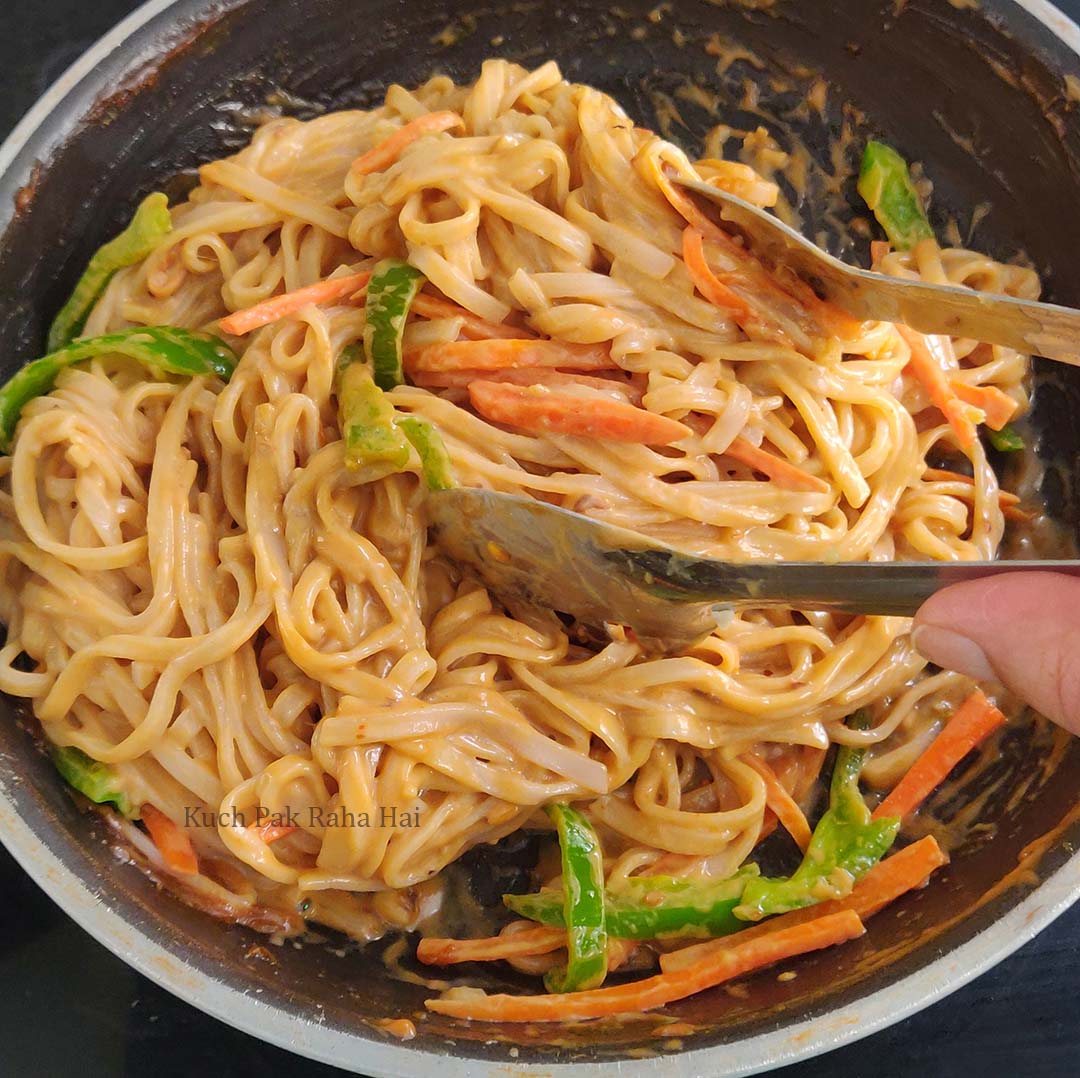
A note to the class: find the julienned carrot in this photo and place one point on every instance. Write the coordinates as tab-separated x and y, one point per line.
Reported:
783	473
709	284
262	314
474	327
535	940
526	376
905	870
530	942
962	417
271	832
998	406
498	355
172	843
539	410
972	722
706	282
827	316
636	996
683	204
781	802
1009	502
389	150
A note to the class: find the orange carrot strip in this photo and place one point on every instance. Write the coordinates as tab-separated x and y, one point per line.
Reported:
922	365
475	327
827	315
529	942
768	825
271	832
682	203
390	149
663	988
538	410
705	281
878	250
717	291
497	355
781	802
783	473
262	314
525	376
539	939
973	721
1015	512
172	842
998	405
905	870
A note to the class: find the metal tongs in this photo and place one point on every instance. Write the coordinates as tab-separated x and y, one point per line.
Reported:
534	552
1041	329
531	551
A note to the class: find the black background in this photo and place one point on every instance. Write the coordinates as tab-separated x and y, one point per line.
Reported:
69	1007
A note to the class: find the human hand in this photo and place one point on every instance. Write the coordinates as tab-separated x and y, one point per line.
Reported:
1022	629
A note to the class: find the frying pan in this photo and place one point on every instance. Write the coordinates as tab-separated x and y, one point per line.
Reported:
986	97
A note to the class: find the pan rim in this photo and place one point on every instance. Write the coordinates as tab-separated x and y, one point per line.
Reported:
366	1053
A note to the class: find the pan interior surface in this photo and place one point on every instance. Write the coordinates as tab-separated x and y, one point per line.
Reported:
189	83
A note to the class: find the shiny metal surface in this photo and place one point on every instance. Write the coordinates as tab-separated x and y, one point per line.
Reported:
1042	329
526	549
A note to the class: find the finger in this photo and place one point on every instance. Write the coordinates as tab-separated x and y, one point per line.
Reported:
1022	629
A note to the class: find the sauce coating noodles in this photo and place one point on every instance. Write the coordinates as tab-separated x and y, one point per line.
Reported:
215	605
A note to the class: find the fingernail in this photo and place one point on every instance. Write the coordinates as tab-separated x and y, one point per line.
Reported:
952	651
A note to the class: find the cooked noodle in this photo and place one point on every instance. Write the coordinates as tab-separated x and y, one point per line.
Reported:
214	604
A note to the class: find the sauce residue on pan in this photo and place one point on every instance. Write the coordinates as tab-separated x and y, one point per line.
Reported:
770	109
404	1029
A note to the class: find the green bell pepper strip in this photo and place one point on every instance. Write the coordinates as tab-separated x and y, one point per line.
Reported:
391	290
375	434
161	348
845	845
583	904
150	224
434	460
90	777
1006	440
886	187
654	907
367	418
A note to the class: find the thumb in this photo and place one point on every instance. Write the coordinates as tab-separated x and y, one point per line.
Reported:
1022	629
